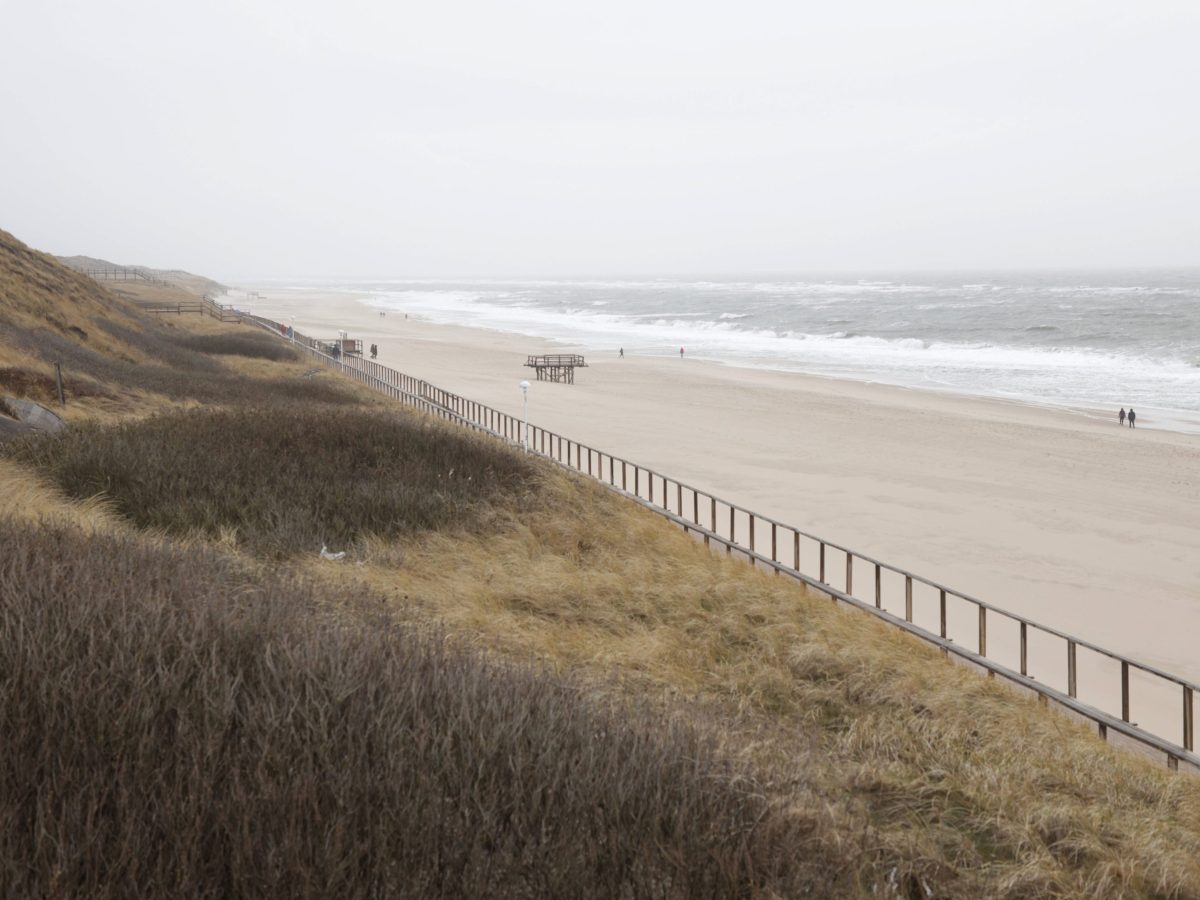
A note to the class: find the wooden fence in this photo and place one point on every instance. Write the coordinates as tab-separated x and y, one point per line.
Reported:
955	622
121	273
205	306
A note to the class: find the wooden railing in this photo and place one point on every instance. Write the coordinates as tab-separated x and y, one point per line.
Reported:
556	359
928	609
121	273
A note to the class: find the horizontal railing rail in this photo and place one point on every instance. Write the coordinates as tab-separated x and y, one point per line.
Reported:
717	521
121	273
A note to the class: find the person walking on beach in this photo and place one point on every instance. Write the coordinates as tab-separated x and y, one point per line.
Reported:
1132	416
1121	416
681	353
621	353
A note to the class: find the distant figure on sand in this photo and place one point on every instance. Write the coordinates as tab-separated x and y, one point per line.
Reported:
681	353
1121	416
1132	417
374	351
621	353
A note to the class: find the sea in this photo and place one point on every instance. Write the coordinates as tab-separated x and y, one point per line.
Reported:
1091	340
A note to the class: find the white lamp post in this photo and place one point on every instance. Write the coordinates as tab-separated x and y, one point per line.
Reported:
525	395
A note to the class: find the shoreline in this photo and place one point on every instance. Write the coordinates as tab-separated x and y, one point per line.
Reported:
1179	421
1060	516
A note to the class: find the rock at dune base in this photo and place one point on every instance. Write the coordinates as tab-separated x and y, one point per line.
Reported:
34	415
11	428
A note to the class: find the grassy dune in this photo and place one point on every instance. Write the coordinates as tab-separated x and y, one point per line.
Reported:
516	685
198	730
40	293
284	480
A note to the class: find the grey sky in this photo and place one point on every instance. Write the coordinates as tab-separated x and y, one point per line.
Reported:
252	138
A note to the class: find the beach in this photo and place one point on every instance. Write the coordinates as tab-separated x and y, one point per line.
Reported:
1062	516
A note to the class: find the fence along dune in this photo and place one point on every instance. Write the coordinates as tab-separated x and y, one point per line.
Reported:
1171	737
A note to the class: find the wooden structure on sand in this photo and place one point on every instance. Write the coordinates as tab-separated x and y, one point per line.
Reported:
341	347
556	367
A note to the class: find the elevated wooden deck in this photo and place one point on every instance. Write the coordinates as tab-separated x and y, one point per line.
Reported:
556	367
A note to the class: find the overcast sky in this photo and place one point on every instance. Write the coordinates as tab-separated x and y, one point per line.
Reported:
256	139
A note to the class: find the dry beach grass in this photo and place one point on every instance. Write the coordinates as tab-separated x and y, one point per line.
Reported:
516	684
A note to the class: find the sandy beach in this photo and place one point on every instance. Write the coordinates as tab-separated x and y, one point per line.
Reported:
1062	516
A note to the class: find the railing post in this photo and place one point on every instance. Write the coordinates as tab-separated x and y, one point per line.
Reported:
774	543
695	506
679	498
666	502
1188	715
1125	690
983	631
1024	649
751	532
821	557
849	573
796	550
878	586
907	598
636	486
624	467
1070	668
714	514
731	524
942	609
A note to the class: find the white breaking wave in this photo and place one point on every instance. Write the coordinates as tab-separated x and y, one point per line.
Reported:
1047	343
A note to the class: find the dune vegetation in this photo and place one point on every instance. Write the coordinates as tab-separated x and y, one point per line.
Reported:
515	683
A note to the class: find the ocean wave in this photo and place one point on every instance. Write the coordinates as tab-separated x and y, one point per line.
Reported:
982	341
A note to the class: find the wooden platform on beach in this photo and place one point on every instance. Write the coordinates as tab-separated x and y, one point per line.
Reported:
556	367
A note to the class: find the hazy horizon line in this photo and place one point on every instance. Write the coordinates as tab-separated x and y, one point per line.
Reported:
732	275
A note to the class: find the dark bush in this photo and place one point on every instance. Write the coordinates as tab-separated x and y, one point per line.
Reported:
255	344
288	479
174	726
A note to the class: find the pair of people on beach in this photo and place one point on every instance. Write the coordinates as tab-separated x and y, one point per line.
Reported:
374	351
1131	416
